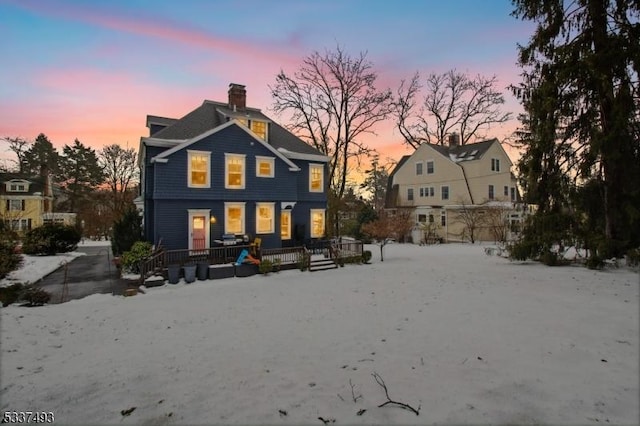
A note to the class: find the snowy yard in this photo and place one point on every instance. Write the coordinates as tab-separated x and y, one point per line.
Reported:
464	337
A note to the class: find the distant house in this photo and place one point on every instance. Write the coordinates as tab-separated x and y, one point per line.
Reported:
443	183
227	169
26	202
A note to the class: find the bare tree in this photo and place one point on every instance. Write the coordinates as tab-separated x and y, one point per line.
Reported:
121	173
471	217
497	220
19	147
333	102
387	226
452	102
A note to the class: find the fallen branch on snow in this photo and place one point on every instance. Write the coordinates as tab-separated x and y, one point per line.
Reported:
379	380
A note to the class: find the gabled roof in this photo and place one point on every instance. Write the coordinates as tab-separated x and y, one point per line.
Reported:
212	114
188	142
36	183
468	152
163	121
392	190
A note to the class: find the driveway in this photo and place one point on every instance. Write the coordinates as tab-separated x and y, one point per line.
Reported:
85	275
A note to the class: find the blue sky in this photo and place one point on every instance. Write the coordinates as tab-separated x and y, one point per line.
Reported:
94	70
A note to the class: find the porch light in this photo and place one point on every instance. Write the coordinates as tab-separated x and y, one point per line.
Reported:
213	220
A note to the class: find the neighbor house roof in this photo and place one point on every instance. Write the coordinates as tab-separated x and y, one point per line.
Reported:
467	152
36	183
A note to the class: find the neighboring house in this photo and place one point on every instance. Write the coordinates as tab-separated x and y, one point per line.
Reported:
445	185
26	202
225	168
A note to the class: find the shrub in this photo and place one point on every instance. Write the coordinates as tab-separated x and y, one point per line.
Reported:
366	256
51	239
303	261
265	266
9	258
131	259
10	294
277	264
595	262
35	296
633	257
126	231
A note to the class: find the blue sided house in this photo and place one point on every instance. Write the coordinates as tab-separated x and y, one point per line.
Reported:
226	170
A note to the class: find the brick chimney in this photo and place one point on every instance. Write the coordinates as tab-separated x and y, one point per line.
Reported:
237	97
454	140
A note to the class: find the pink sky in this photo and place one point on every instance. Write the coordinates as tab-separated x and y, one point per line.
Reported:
95	72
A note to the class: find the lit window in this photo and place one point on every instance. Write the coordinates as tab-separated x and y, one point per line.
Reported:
234	171
260	129
317	223
264	218
316	177
234	218
491	193
430	167
418	168
199	169
243	121
445	192
285	224
265	166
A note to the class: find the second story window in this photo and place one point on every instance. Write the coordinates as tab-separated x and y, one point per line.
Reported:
418	168
316	177
265	166
15	205
234	171
430	167
495	164
410	194
198	169
445	193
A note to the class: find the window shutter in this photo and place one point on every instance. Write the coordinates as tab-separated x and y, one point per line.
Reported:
22	207
7	205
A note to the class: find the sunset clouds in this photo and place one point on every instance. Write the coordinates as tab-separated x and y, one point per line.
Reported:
94	70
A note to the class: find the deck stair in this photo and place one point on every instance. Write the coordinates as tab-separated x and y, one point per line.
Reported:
321	264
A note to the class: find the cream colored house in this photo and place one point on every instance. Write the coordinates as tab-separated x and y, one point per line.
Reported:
450	186
26	202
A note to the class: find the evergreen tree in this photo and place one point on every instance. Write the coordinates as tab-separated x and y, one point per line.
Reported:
581	123
80	173
41	154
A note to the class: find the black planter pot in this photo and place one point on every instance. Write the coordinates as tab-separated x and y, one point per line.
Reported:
174	273
203	270
246	270
221	271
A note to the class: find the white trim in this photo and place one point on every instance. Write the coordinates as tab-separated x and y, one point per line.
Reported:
301	156
186	142
273	217
315	166
271	160
242	219
285	213
207	155
207	228
162	143
324	222
287	205
159	160
227	157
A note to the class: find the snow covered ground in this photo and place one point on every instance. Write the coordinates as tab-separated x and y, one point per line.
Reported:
464	337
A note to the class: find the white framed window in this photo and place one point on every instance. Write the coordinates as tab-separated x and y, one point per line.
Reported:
430	167
422	218
513	194
265	166
409	194
317	223
234	218
316	177
15	205
506	191
285	224
419	168
265	213
491	192
234	167
495	164
259	128
198	165
432	191
443	218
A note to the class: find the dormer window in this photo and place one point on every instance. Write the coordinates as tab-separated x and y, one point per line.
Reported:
259	128
17	186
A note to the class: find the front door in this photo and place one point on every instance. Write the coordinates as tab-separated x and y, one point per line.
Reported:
198	229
